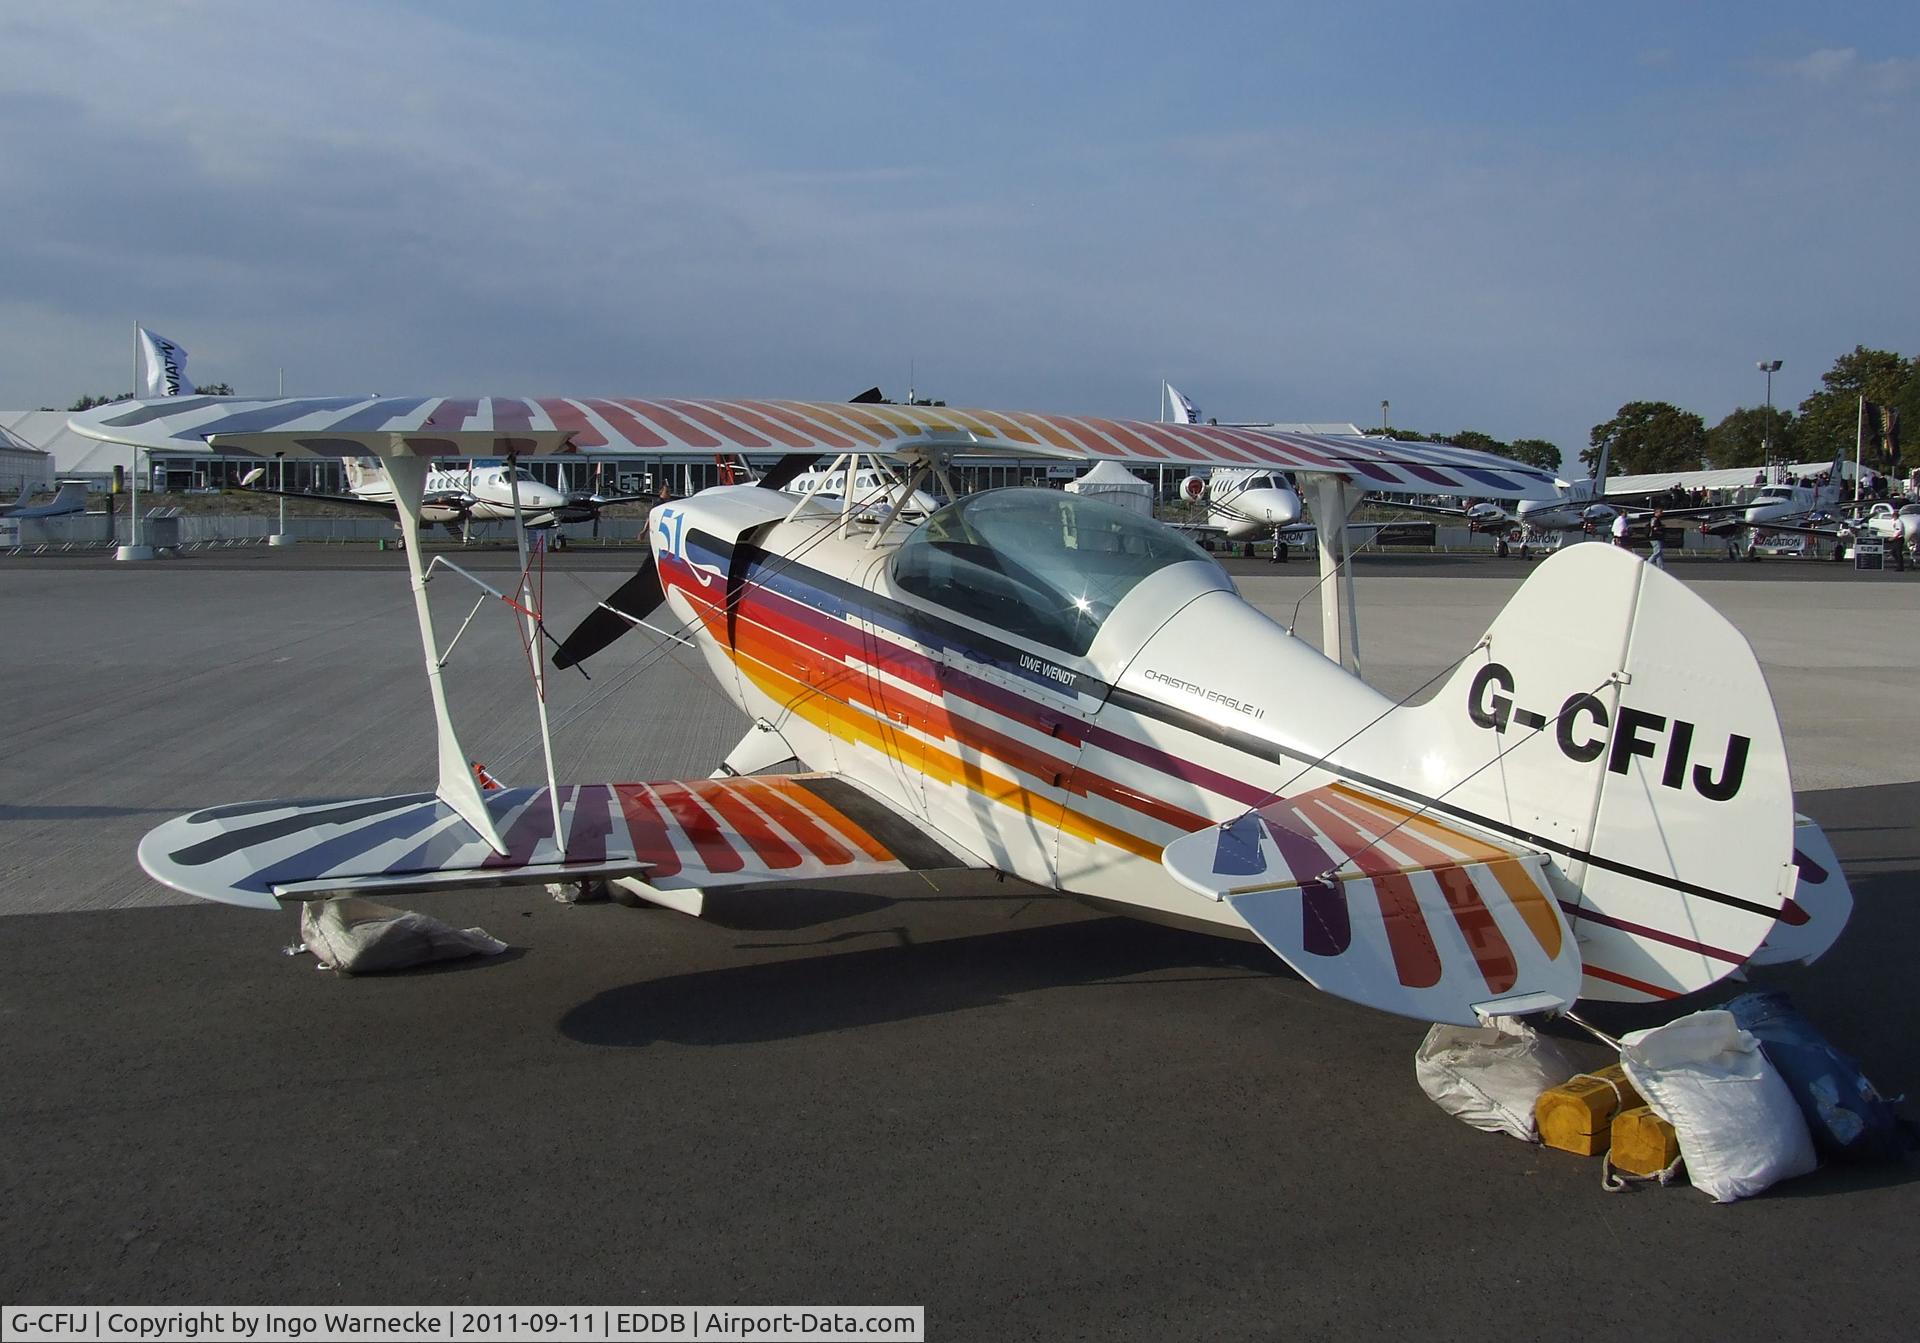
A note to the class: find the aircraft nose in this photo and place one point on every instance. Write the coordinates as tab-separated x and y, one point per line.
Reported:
1279	507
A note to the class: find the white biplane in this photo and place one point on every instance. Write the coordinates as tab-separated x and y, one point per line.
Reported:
1595	803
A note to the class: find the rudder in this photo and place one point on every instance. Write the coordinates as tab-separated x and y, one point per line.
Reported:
1613	719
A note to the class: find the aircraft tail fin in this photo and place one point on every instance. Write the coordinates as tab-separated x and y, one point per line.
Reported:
363	473
1617	722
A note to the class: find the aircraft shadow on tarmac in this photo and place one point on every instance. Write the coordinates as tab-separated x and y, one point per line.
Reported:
808	995
79	812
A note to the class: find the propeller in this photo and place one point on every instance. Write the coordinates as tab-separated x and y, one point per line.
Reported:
639	595
636	598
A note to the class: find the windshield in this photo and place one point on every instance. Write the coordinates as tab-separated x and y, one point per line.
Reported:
1042	564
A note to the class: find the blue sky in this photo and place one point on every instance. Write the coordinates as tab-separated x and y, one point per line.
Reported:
1509	217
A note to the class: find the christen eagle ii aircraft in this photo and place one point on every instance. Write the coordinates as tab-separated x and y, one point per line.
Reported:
1594	804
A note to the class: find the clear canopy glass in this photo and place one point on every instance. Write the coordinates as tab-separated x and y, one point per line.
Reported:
1044	565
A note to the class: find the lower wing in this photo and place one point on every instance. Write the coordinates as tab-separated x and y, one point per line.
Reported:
674	835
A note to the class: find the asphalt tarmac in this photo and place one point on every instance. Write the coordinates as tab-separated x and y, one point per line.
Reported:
1038	1120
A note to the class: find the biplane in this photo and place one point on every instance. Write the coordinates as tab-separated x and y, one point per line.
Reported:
1594	803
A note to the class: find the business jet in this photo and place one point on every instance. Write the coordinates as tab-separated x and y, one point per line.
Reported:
1243	504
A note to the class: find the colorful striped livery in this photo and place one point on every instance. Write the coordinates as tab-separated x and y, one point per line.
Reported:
690	835
496	426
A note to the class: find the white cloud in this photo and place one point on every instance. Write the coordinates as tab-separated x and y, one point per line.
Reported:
1825	66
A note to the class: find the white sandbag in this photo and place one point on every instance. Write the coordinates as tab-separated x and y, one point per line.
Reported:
1738	1125
359	937
1491	1076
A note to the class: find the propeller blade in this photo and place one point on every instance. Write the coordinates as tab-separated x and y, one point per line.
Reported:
783	471
637	597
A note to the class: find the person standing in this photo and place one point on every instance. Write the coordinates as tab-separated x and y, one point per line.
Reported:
1620	530
1657	530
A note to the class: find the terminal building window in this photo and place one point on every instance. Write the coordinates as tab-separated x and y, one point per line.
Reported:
1043	565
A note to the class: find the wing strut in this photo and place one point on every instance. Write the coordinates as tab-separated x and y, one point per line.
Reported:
457	787
536	650
1334	501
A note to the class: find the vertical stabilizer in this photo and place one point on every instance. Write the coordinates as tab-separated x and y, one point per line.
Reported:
1618	722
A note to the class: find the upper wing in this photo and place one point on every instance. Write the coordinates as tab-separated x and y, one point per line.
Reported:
676	835
496	426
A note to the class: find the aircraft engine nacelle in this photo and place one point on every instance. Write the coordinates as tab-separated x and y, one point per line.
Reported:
1597	514
1193	489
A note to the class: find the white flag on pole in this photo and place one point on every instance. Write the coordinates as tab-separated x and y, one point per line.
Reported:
1184	411
163	366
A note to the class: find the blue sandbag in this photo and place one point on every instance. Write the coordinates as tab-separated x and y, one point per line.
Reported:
1848	1118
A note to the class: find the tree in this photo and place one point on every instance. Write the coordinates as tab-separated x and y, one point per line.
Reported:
1479	442
89	402
1535	452
1740	439
1649	438
1830	418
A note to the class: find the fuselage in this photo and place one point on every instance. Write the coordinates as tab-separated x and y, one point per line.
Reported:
1572	511
1778	503
872	490
945	687
1887	522
481	493
1062	691
1247	505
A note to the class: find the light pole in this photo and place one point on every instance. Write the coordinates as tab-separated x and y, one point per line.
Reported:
1768	367
281	537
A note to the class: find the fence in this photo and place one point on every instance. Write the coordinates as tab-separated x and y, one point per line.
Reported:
165	527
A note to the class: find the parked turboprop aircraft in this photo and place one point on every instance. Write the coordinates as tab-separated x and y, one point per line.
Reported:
1036	682
1781	506
875	486
1883	521
455	496
70	498
1576	506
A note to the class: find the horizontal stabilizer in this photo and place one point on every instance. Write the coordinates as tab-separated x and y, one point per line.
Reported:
699	833
1388	908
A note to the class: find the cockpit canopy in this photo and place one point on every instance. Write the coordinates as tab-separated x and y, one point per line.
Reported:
1044	565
